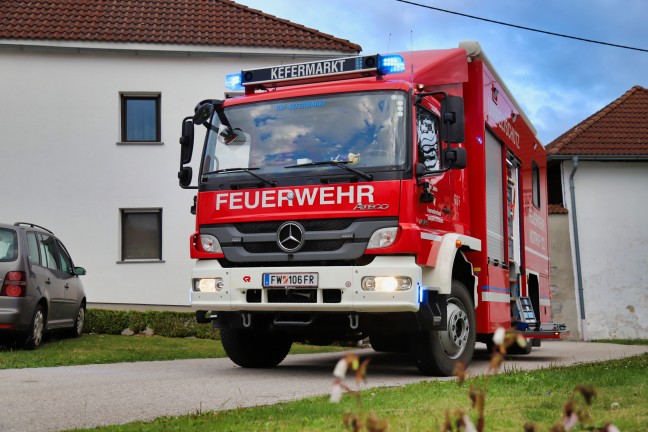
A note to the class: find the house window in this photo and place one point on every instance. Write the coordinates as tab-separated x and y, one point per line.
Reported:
535	180
141	234
140	118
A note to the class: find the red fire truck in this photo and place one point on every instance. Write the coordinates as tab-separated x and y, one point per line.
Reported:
396	197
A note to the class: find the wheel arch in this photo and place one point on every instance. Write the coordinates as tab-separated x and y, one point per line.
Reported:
451	263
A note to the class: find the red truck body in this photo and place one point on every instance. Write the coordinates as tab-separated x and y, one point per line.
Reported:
427	250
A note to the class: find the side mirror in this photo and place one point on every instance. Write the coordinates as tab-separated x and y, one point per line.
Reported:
455	158
184	176
79	271
186	141
452	119
204	111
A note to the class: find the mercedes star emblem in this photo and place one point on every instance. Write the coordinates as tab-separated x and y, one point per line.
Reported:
290	237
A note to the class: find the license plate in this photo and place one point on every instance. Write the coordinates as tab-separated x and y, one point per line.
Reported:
280	280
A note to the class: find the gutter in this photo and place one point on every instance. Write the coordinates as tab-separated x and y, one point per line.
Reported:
579	273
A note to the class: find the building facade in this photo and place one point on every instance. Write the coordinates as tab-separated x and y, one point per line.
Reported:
93	94
598	177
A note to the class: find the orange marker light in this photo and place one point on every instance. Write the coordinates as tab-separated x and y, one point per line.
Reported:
458	244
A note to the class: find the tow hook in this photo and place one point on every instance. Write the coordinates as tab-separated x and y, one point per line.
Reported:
247	319
354	321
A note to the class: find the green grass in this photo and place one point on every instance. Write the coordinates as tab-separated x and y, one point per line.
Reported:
96	349
512	400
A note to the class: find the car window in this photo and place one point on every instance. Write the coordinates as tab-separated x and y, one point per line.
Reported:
65	262
32	248
48	253
8	245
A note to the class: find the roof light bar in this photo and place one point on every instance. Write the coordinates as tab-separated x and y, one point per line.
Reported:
233	82
316	71
392	63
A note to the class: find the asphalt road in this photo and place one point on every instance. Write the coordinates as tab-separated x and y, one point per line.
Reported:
52	399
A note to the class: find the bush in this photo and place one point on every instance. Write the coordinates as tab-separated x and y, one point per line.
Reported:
168	324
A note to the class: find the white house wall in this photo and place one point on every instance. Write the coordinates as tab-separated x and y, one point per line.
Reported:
62	167
612	209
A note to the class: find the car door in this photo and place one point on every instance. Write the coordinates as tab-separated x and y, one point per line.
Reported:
71	284
48	277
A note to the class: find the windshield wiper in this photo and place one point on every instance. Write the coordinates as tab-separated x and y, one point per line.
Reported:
341	164
246	170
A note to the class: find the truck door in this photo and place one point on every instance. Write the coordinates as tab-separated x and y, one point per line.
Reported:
435	208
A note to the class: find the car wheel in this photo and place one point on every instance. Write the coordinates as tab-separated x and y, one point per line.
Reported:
36	329
77	330
439	352
255	349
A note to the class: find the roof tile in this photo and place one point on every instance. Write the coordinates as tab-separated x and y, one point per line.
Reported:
185	22
619	129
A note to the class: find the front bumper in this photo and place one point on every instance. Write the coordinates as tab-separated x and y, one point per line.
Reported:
346	280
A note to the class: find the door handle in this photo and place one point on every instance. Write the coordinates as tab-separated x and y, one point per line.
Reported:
67	286
48	281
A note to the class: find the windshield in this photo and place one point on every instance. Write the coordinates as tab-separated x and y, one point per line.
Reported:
366	131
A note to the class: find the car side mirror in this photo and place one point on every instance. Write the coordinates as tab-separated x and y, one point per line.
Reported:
79	271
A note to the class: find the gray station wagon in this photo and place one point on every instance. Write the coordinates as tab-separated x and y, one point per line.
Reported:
41	289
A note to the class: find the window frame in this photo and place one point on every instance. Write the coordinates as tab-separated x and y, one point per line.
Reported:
123	243
420	155
123	106
535	185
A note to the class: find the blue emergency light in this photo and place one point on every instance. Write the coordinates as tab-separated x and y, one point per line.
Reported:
317	71
390	64
234	82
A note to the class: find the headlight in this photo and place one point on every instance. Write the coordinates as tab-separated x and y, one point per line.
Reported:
208	285
386	283
210	244
382	238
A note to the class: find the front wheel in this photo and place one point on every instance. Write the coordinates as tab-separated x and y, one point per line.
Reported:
77	330
255	349
439	352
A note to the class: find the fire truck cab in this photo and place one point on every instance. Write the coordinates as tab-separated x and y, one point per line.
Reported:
400	198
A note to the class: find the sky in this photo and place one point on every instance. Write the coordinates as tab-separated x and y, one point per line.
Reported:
558	82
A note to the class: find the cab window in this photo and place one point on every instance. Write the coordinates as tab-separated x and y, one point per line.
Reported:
427	128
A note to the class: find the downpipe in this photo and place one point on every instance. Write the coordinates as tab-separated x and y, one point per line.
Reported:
579	273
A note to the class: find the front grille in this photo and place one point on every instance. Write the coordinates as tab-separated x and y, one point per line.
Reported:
309	246
309	225
342	240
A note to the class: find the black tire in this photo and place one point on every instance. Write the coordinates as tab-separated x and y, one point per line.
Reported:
255	349
393	343
516	349
77	330
34	336
439	352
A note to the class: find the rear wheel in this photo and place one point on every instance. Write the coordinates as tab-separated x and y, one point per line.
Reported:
34	336
255	349
439	352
